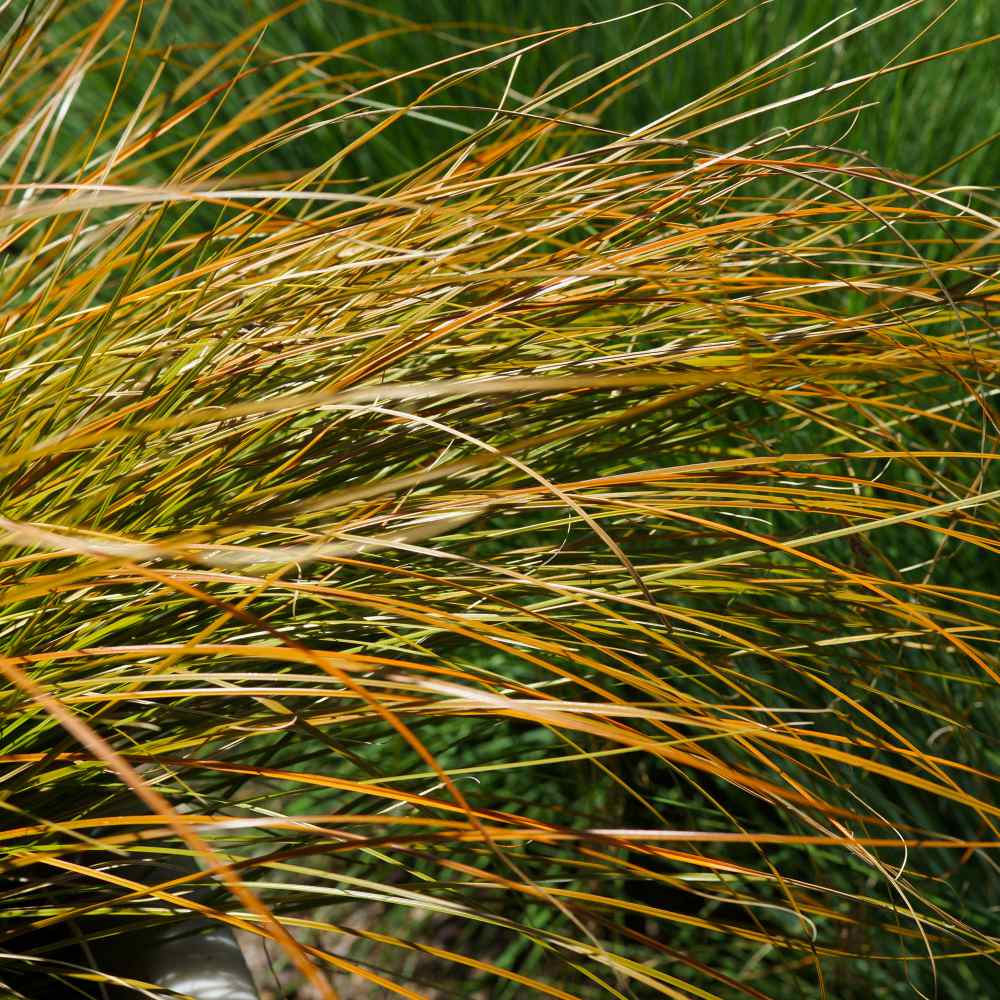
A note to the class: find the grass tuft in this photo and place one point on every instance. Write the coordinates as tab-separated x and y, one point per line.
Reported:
561	566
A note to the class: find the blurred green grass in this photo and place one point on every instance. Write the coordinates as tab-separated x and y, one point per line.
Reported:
952	93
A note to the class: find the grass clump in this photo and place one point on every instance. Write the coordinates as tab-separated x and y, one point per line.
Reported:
561	568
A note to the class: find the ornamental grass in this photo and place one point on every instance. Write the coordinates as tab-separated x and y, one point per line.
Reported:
563	567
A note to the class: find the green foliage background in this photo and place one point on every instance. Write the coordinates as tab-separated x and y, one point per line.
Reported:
924	116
